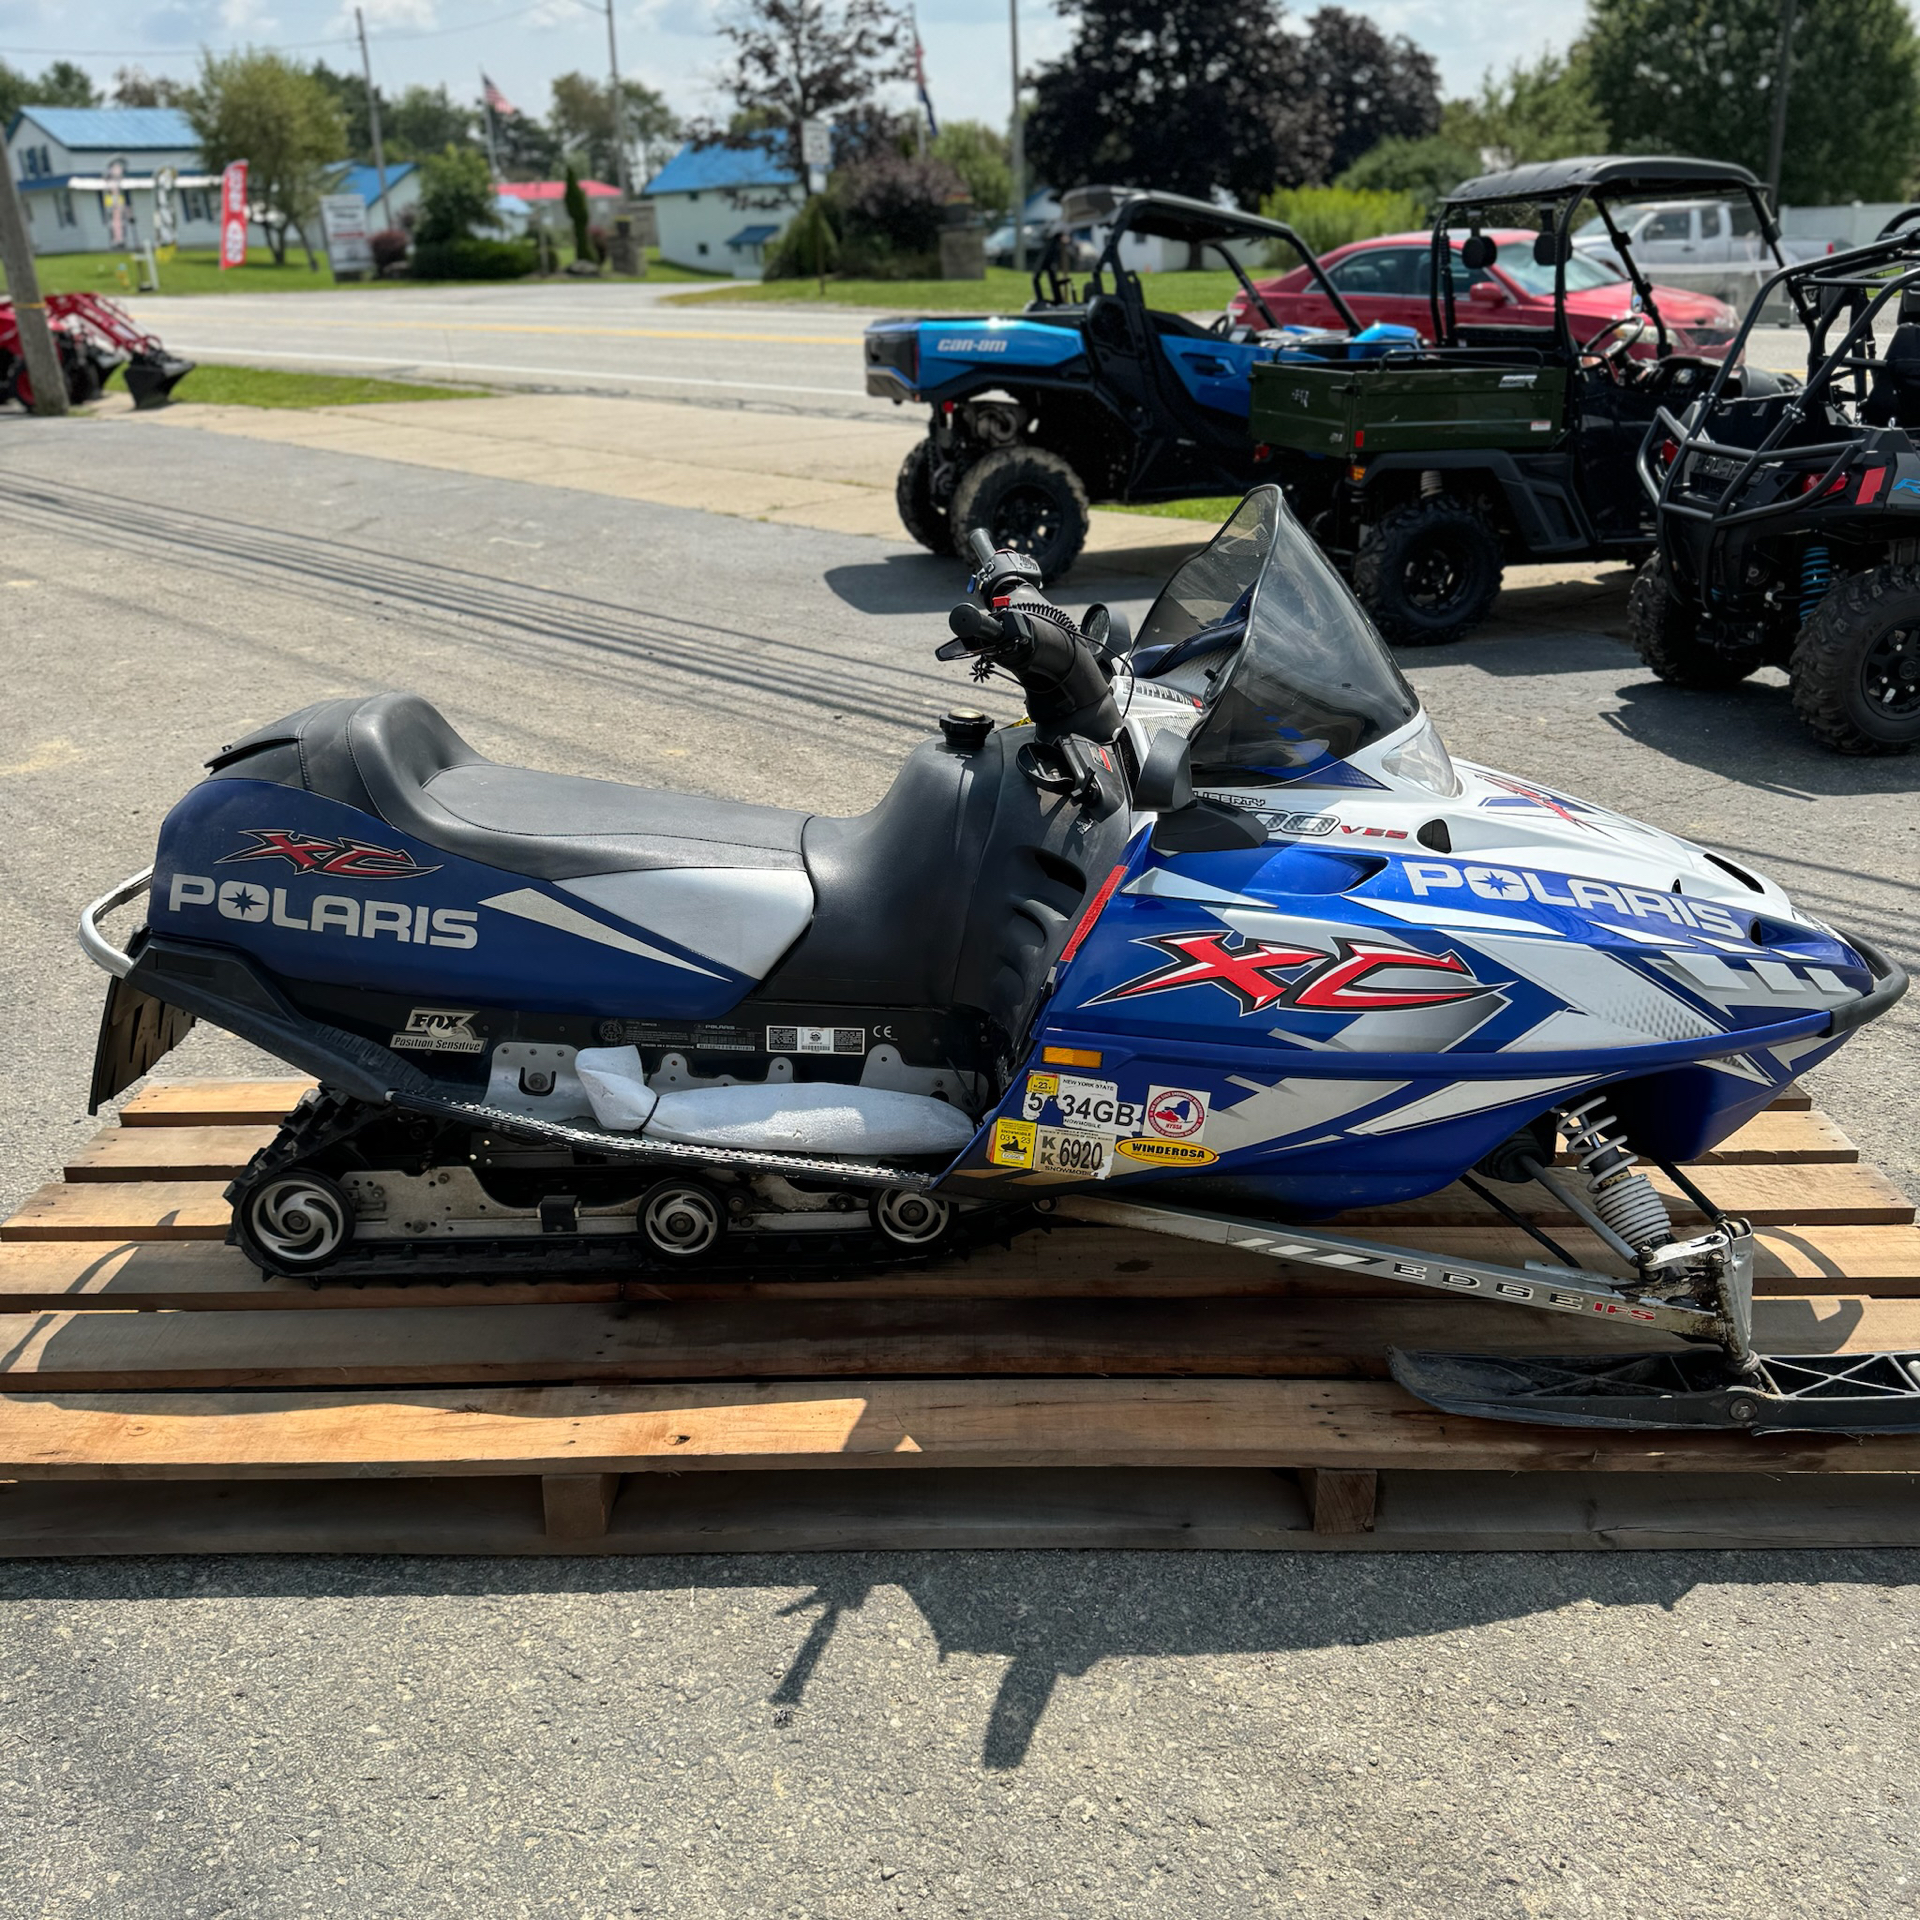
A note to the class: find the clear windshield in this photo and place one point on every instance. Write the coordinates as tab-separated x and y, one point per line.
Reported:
1290	673
1583	274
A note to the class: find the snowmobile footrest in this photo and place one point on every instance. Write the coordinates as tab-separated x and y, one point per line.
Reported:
1692	1387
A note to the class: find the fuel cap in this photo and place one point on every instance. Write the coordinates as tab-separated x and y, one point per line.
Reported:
965	729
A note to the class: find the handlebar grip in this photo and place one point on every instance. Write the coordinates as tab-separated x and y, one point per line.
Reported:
975	625
980	544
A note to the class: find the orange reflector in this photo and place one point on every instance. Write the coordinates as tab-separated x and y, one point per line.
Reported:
1069	1057
1356	473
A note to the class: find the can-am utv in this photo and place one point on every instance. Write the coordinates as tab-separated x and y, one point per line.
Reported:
1089	394
1789	523
1501	444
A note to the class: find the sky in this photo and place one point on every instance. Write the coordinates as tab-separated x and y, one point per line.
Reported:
670	44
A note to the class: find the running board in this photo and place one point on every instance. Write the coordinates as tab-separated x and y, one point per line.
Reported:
1857	1393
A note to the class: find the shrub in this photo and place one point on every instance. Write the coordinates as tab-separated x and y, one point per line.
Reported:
1328	217
389	250
599	245
808	249
890	210
467	257
1425	169
456	195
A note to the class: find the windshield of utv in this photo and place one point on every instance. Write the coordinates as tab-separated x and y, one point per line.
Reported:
1295	677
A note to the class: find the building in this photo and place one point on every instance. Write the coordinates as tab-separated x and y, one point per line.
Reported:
720	207
403	192
61	157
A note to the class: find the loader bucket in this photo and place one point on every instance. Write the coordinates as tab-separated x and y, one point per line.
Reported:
152	377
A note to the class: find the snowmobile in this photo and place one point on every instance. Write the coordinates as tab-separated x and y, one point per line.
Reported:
1217	943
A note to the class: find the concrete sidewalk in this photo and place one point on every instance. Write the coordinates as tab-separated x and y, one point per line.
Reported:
792	468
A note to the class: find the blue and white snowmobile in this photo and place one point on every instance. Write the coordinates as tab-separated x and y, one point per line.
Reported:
1222	943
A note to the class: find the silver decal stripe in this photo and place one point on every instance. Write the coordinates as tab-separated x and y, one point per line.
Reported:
526	904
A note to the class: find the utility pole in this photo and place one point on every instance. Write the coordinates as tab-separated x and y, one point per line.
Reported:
1782	80
1019	146
29	310
623	174
373	121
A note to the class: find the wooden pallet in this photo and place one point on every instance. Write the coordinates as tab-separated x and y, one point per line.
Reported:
1082	1387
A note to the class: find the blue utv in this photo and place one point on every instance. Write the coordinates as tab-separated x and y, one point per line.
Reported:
1092	394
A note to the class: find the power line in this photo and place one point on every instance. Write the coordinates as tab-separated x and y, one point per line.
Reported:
283	46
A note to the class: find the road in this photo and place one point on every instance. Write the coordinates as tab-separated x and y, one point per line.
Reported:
569	337
1550	1737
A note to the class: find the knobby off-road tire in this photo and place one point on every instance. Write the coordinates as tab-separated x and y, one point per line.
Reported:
1671	638
913	495
1856	664
1427	573
1027	499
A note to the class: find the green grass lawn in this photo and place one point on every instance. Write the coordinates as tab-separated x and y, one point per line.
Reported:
1213	512
1002	291
199	272
267	387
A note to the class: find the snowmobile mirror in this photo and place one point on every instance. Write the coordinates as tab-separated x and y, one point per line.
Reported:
1549	249
1165	784
1477	252
1108	632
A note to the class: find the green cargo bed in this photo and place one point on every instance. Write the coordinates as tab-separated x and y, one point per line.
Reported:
1369	407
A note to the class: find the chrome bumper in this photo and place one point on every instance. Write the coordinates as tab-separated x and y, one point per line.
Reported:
95	944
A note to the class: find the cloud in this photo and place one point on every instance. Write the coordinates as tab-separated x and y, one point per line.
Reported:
412	14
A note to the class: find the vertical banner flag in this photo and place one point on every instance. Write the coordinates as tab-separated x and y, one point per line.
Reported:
233	215
115	197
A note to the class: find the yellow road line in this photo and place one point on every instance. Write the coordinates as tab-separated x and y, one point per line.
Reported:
604	333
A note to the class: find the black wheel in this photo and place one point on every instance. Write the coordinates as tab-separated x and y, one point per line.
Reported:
1428	572
1856	664
1027	499
910	1218
682	1219
1676	641
913	495
294	1223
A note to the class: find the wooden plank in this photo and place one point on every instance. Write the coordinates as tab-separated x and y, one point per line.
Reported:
576	1505
853	1424
1244	1510
212	1103
1767	1195
167	1153
1791	1100
1796	1136
1340	1500
780	1340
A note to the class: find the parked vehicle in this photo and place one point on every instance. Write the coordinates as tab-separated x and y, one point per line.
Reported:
1505	440
1391	279
92	337
1688	234
1194	953
1089	394
1789	524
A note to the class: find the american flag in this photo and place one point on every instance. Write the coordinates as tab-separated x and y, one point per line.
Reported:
497	102
920	82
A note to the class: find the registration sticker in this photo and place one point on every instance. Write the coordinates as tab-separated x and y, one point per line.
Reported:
1041	1087
1012	1144
1088	1156
1095	1106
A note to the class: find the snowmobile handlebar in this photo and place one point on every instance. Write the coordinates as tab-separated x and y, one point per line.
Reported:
1040	646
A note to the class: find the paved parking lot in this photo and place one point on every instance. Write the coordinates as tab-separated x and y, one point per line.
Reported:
1012	1735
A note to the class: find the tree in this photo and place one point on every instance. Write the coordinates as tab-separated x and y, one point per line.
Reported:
1543	112
255	106
797	60
1372	88
526	146
348	92
1424	169
423	121
978	154
1697	76
1188	95
456	195
61	85
136	87
582	124
576	205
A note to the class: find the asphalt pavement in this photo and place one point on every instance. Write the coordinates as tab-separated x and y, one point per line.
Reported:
1537	1737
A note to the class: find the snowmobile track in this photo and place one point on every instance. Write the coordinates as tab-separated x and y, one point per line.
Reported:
1081	1387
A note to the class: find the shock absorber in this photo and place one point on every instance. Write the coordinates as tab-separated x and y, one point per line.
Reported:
1623	1197
1816	576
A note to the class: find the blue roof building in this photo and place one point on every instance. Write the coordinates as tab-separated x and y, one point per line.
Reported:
719	208
66	160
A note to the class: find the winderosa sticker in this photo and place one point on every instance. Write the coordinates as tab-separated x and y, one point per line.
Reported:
1167	1153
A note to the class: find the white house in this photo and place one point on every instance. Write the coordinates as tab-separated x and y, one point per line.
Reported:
719	207
61	157
403	192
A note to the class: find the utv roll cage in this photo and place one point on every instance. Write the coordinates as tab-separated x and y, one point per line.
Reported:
1168	216
1679	454
1549	194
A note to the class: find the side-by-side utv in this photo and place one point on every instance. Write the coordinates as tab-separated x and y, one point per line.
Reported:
1495	443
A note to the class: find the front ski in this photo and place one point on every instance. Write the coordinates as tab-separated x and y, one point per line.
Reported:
1700	1387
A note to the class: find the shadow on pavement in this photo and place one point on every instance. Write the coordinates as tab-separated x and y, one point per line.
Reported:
903	583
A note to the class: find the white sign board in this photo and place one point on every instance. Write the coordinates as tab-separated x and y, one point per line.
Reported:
344	216
816	143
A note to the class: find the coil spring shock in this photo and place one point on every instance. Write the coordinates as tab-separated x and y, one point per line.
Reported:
1816	576
1625	1199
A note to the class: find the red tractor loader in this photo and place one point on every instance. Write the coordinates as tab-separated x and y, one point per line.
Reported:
92	337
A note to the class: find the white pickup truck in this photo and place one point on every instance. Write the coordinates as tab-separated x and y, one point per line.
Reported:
1687	241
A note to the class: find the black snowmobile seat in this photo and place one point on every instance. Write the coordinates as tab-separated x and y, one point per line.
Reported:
393	756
